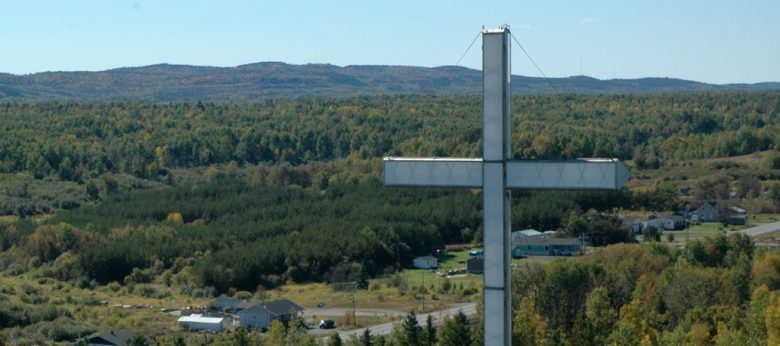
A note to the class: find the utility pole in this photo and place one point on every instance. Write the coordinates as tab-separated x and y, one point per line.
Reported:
423	290
354	317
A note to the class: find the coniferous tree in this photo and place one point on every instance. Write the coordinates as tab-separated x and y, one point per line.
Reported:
335	340
366	339
429	334
410	331
455	331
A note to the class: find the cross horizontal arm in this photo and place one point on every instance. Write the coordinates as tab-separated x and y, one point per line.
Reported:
581	174
433	172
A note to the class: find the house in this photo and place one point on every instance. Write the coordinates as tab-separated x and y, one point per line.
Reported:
119	338
475	265
199	322
676	222
223	303
655	220
260	315
530	232
668	222
244	304
425	262
707	212
541	246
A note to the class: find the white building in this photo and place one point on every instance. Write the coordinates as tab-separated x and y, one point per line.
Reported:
260	315
426	262
199	322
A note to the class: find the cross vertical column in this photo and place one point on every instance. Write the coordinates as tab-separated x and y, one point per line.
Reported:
497	214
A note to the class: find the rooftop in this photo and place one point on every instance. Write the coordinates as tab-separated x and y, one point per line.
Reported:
200	319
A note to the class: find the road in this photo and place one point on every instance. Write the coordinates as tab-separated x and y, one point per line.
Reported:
761	230
386	328
331	312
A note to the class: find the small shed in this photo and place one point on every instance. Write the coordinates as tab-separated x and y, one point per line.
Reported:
736	216
475	265
200	322
426	262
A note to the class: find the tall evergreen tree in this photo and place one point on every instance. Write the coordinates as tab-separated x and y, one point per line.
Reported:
455	331
429	335
366	339
410	331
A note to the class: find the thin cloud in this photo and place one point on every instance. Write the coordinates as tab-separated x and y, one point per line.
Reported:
588	20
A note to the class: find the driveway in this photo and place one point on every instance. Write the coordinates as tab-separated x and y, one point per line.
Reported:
761	230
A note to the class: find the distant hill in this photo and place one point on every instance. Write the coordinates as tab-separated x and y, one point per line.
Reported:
279	80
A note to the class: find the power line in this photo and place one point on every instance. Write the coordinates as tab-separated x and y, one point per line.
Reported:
528	55
534	63
469	48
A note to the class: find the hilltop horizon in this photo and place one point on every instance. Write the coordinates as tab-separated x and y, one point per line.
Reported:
273	80
277	62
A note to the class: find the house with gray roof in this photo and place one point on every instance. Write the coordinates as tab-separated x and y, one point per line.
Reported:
118	338
260	315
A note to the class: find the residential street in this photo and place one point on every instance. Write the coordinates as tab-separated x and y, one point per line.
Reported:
386	328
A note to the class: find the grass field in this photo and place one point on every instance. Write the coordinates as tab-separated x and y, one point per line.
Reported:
690	172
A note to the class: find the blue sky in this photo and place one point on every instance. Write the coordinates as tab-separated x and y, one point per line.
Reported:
712	41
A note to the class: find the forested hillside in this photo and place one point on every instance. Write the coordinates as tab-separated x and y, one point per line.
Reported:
273	80
195	199
308	172
75	140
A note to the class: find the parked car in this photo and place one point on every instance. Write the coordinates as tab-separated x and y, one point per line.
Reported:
476	252
327	324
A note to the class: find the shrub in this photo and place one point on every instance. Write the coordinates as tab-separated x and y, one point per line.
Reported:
65	329
35	299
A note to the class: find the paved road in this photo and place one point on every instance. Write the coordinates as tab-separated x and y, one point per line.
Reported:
761	230
438	317
330	312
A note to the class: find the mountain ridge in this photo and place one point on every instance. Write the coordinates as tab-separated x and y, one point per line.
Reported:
267	80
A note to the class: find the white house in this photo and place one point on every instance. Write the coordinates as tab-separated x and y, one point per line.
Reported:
199	322
665	222
426	262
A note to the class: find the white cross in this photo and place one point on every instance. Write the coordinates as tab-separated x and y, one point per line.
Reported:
495	174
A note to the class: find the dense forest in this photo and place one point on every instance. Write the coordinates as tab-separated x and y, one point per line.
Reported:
76	141
305	173
240	236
